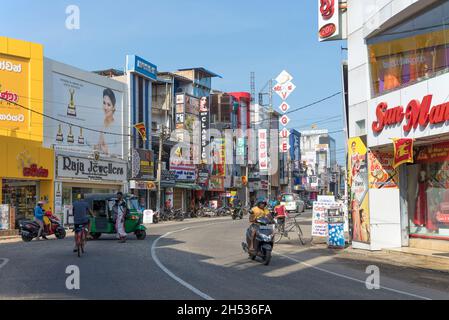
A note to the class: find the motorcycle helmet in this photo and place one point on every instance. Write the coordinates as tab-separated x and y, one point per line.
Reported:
261	200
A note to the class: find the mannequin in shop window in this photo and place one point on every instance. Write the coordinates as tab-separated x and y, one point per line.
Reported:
419	218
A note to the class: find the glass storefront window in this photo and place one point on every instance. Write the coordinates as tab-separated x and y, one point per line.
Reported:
410	52
428	193
22	196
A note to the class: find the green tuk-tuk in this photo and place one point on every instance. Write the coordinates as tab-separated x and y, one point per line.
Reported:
103	216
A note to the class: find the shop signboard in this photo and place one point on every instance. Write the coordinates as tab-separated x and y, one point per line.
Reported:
183	172
142	164
319	219
168	178
142	185
359	186
216	183
218	152
138	65
4	217
90	169
329	20
84	104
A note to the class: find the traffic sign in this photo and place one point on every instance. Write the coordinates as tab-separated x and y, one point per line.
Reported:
284	107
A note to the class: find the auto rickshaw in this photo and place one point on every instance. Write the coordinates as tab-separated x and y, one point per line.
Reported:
103	215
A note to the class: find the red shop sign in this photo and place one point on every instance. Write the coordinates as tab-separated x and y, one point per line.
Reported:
327	30
34	171
416	113
327	9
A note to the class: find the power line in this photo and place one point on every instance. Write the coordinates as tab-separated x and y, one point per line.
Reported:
65	122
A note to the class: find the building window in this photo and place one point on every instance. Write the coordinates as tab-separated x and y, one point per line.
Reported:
360	129
410	52
428	193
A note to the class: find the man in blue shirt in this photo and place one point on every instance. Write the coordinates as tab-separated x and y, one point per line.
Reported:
81	212
39	218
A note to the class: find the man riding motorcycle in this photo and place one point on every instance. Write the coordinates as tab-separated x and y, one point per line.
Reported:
259	211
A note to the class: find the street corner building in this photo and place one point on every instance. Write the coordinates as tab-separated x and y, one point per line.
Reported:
398	64
26	165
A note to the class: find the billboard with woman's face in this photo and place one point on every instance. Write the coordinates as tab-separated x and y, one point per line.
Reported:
90	116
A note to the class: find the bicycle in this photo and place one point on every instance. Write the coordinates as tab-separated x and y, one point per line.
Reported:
80	238
289	225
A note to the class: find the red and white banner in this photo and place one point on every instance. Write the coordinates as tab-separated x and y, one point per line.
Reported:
263	149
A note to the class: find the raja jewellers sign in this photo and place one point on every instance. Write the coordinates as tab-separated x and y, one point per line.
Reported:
90	169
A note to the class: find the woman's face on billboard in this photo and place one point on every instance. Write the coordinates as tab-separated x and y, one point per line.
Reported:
108	107
203	102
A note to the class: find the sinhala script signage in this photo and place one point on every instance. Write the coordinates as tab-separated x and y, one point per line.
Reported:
89	169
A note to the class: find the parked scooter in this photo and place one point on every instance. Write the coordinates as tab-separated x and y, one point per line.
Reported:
30	229
264	240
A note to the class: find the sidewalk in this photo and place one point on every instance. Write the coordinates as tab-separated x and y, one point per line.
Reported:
403	257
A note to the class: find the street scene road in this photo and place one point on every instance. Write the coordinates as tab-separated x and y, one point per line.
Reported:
200	259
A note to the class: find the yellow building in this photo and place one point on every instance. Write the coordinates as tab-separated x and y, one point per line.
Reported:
26	167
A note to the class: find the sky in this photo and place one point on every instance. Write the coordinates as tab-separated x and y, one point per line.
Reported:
229	37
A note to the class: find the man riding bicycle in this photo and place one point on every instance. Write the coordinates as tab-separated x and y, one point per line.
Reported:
81	214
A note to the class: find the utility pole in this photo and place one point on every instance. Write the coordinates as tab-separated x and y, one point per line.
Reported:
269	134
162	137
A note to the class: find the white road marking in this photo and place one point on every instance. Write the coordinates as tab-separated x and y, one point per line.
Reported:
3	262
171	274
207	297
350	278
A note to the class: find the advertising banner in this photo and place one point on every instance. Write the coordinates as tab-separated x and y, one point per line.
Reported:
218	153
433	153
263	150
359	185
142	164
381	173
4	217
203	178
319	220
85	105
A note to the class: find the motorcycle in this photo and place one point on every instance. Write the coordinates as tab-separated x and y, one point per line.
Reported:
264	240
29	229
237	213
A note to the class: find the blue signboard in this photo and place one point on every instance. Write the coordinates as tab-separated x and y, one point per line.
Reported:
141	66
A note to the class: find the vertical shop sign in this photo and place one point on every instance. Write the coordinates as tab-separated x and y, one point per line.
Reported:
263	150
204	127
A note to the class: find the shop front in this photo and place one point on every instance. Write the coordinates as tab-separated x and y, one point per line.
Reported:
27	174
83	174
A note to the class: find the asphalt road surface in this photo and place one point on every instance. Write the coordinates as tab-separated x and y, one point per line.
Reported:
198	259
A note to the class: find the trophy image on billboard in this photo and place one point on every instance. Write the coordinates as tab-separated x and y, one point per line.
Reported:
81	138
59	135
71	110
70	137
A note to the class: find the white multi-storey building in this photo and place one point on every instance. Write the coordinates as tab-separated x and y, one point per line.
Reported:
398	63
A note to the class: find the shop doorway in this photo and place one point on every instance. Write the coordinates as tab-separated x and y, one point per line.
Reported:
22	195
